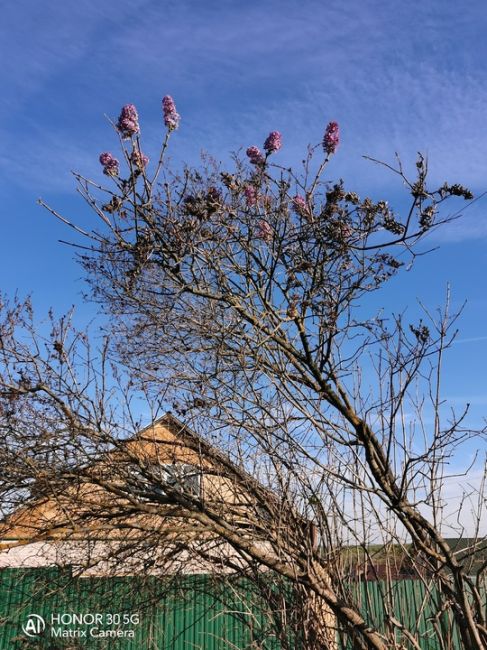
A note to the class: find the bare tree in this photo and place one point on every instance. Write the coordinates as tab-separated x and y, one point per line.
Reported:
241	299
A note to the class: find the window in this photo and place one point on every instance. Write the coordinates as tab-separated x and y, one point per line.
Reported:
177	476
186	478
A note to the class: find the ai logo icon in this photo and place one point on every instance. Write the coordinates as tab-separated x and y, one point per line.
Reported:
34	625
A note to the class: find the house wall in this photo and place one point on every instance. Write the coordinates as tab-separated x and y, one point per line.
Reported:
113	558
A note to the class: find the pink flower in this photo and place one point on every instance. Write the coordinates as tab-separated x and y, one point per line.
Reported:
264	231
251	195
128	121
273	142
255	156
139	159
105	158
171	116
110	164
300	206
331	139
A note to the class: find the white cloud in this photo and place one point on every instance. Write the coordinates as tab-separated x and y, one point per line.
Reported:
386	73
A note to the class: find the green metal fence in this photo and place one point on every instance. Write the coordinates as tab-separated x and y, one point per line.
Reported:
49	610
413	605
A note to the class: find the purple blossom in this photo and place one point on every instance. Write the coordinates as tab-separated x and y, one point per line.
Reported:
251	195
331	139
139	159
299	204
255	155
128	121
110	164
171	116
264	231
105	158
302	208
273	142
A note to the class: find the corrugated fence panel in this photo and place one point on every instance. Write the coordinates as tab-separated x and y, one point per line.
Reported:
191	614
194	613
26	595
414	605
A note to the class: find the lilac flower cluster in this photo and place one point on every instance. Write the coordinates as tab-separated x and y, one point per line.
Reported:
255	155
299	204
273	142
331	139
110	164
264	231
128	121
171	116
251	195
138	159
301	207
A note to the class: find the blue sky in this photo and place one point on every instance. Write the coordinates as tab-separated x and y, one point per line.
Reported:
396	76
